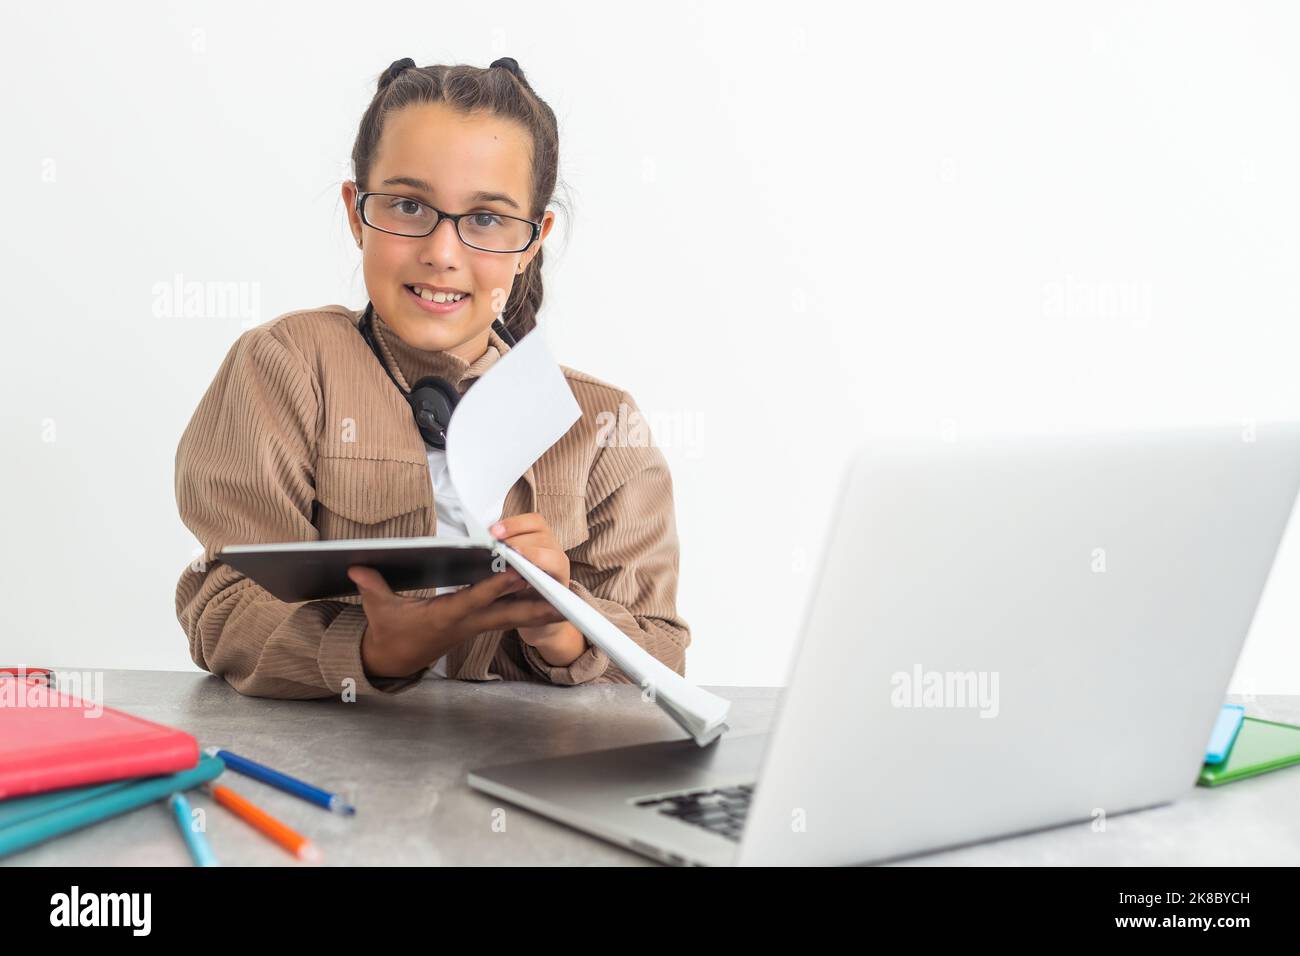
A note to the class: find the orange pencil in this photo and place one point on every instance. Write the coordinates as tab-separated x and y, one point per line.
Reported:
259	819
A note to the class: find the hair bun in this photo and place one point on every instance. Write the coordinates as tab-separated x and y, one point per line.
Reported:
511	64
394	70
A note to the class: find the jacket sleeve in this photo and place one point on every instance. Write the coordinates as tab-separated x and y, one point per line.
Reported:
245	475
627	568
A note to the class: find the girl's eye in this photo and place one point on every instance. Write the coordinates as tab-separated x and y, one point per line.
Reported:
483	220
407	207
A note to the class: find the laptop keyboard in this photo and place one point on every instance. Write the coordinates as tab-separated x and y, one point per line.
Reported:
722	810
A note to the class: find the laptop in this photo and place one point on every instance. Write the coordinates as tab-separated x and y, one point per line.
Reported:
1005	634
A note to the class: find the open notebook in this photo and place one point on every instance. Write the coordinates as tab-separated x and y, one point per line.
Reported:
517	410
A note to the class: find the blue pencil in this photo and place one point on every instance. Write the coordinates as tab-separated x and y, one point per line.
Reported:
281	781
194	839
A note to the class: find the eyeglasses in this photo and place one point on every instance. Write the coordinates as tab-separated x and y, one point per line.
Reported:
485	231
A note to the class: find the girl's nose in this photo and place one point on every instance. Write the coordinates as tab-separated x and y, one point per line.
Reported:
443	245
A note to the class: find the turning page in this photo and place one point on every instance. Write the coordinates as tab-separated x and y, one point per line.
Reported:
517	410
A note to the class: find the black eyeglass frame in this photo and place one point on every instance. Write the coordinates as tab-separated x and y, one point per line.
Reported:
454	217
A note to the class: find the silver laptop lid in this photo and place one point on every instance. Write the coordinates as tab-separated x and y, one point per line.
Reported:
1014	632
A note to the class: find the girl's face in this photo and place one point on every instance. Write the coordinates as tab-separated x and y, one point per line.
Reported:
456	163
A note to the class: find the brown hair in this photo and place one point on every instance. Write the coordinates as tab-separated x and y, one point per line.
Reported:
500	89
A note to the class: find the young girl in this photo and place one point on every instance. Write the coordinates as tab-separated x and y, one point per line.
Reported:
306	432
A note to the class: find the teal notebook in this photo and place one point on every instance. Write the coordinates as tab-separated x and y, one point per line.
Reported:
26	821
1261	746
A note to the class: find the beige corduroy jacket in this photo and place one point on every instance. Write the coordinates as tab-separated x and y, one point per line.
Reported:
302	436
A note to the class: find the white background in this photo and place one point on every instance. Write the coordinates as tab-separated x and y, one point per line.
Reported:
793	224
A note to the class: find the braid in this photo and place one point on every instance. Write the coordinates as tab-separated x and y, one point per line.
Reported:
525	299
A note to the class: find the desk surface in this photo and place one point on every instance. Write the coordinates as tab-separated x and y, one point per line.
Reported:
403	760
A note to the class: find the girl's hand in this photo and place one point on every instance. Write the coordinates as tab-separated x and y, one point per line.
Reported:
559	643
407	634
530	535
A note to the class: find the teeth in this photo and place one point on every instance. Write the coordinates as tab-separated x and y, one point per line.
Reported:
440	296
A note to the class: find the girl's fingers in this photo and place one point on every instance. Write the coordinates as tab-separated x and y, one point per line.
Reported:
519	524
482	593
543	555
531	539
521	612
369	581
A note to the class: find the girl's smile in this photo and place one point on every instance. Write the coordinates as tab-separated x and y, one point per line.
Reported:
429	300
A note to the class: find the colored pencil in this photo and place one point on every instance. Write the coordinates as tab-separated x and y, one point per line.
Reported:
267	825
282	781
194	839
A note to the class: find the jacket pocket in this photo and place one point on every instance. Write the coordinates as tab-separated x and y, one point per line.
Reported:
371	498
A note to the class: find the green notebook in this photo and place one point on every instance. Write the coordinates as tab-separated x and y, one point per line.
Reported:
1261	746
25	821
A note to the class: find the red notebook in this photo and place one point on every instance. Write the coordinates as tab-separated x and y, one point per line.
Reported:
50	740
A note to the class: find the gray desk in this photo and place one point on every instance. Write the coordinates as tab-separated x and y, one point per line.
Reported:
403	762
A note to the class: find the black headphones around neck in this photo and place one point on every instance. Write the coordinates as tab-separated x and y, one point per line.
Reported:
432	399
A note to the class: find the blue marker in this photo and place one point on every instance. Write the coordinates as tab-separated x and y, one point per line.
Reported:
194	839
322	798
1224	734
